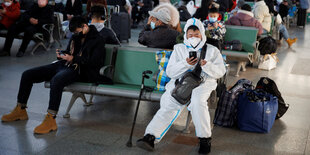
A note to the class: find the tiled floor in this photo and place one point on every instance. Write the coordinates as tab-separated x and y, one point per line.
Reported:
104	127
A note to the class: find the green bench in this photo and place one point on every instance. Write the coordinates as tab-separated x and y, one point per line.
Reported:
248	38
128	67
129	63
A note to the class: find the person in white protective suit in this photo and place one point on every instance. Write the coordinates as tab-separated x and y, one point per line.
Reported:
212	68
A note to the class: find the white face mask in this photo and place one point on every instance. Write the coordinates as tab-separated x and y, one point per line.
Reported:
7	3
194	41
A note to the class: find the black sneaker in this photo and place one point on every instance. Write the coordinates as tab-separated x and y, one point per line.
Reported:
205	146
146	143
4	53
20	54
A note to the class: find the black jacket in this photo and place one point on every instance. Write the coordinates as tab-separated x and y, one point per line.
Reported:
146	7
90	56
121	4
161	37
109	36
44	15
74	10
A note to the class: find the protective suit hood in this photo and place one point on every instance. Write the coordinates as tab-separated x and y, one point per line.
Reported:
198	23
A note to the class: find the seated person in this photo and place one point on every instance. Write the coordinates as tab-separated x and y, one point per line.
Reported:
91	3
77	62
30	23
97	15
140	8
261	13
9	13
179	63
283	9
157	33
238	7
215	29
283	31
73	8
59	6
245	17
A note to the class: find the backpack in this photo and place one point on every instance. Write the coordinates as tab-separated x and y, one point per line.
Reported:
226	111
270	86
267	45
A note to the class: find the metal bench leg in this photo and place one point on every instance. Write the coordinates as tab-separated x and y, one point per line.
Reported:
37	45
238	68
72	101
90	102
243	66
87	103
188	122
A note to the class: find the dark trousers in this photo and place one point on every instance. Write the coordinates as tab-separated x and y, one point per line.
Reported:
57	73
28	29
138	15
2	27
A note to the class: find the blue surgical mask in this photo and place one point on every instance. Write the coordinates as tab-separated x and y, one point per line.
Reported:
152	25
212	20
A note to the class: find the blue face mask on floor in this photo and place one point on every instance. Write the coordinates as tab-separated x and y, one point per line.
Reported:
152	25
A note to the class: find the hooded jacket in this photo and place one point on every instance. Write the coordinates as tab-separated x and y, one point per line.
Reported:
11	15
89	56
177	65
261	13
245	18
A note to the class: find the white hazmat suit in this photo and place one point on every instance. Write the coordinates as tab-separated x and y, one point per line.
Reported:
170	109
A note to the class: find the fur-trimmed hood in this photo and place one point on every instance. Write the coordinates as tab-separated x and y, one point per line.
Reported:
174	13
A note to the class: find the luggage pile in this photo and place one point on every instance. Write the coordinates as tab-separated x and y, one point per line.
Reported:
250	109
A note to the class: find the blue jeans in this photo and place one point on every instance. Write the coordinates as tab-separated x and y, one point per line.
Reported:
283	31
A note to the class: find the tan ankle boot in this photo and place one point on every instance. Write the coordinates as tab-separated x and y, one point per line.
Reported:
17	114
291	41
48	125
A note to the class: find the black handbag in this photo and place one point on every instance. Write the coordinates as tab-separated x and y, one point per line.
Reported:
183	88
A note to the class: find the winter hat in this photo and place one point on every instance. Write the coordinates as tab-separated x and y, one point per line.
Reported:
162	14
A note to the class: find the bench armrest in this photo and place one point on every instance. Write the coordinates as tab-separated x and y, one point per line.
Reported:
104	69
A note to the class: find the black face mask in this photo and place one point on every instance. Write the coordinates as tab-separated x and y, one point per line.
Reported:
81	35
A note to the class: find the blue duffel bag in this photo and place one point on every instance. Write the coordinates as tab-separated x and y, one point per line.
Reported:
257	110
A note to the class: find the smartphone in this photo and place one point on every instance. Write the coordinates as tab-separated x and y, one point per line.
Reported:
61	52
193	54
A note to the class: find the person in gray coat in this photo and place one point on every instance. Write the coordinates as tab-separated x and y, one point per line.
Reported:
157	33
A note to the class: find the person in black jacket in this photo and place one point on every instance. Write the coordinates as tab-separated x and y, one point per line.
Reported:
140	9
97	15
120	3
157	33
82	60
30	23
73	8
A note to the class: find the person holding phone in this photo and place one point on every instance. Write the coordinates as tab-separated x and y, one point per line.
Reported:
184	58
77	62
9	12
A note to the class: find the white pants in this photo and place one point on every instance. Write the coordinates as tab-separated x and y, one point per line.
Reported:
170	109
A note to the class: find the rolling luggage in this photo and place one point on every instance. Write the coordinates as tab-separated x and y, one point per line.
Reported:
120	23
